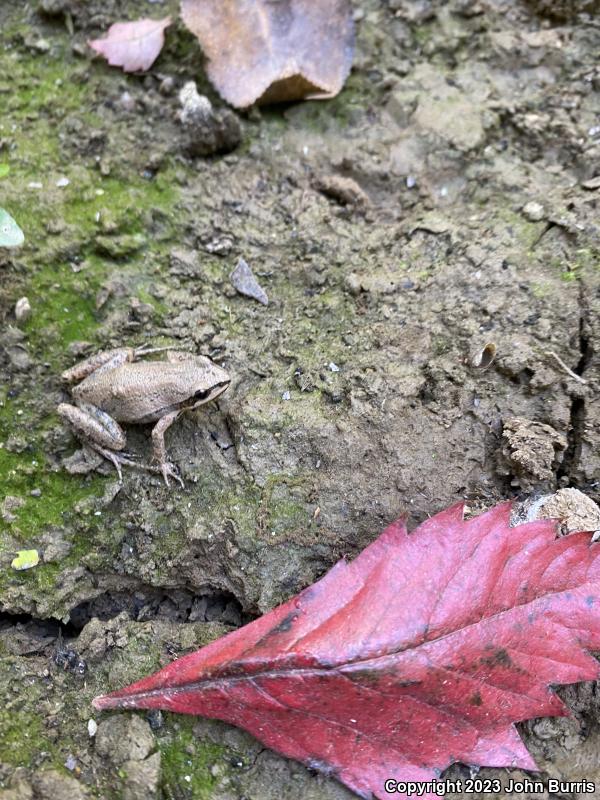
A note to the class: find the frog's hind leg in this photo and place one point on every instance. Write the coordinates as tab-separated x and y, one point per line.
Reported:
109	455
97	429
93	425
160	451
100	362
142	351
177	356
117	459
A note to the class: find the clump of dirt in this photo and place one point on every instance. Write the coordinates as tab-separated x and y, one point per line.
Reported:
531	452
345	190
574	510
207	132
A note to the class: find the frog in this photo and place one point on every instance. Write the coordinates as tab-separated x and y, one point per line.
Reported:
10	233
118	386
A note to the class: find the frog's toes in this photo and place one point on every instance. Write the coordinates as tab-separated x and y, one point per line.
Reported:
169	471
112	457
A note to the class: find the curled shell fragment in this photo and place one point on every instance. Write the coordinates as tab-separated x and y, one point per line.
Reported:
484	357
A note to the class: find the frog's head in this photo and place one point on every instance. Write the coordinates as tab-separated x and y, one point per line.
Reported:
210	381
10	233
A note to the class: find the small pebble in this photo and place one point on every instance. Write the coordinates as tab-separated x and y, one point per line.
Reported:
245	283
194	106
127	102
286	396
71	763
22	309
155	718
41	45
533	211
53	7
92	727
61	182
36	493
592	183
333	367
167	85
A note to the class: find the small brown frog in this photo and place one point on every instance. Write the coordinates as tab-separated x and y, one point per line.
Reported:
113	387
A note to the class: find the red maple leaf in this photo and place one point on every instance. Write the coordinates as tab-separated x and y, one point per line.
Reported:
423	651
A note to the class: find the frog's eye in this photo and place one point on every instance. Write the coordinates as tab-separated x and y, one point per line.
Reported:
6	229
201	394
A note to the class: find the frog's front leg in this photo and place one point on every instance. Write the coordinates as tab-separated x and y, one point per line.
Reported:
97	429
160	451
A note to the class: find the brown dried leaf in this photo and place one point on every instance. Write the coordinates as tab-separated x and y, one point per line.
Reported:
134	46
268	52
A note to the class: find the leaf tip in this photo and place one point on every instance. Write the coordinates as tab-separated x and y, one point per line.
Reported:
95	44
104	701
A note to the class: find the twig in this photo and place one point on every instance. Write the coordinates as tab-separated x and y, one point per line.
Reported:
568	370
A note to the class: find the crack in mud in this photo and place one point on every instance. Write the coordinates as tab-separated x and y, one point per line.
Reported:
45	627
148	603
577	414
141	605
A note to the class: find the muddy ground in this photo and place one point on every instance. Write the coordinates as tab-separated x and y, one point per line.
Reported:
473	128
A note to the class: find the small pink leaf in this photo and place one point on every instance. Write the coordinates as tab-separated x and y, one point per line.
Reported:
133	45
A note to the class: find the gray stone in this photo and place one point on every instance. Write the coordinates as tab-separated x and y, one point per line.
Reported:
141	782
124	738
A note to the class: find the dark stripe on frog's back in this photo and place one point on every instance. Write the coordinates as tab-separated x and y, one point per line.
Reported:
127	389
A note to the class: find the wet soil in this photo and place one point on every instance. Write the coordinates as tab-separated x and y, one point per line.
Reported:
447	199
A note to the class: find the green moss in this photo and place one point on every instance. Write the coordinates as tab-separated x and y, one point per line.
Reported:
188	764
569	276
25	471
161	309
22	738
65	315
423	33
59	495
521	230
284	511
585	260
239	503
442	345
38	88
67	273
61	276
541	290
59	491
43	88
588	258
